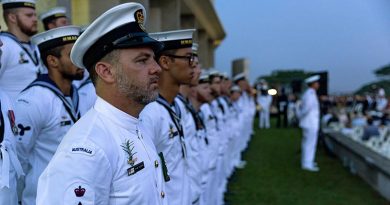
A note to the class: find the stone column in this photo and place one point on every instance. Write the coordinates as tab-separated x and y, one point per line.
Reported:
204	51
240	65
169	14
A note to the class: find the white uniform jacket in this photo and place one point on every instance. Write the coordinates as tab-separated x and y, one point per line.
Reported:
104	159
195	141
210	121
309	114
20	64
157	120
264	101
10	168
87	94
44	115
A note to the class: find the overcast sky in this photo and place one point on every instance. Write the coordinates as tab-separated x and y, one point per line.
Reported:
348	38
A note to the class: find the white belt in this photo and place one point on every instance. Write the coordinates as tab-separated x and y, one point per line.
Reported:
8	156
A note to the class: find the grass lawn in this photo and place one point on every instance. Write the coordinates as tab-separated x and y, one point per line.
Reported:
273	176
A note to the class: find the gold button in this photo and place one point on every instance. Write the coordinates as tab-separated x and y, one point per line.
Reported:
156	163
162	194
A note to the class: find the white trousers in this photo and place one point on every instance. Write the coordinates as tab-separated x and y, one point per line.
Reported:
264	119
309	145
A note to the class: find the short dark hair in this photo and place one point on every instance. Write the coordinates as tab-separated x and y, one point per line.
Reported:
165	53
110	57
56	52
7	12
46	24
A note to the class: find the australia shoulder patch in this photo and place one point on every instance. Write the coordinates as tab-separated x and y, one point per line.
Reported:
85	149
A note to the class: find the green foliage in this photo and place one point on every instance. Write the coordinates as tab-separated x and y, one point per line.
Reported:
285	76
273	176
383	71
373	86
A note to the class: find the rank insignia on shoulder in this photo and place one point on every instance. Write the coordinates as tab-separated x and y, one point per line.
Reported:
79	191
172	132
136	168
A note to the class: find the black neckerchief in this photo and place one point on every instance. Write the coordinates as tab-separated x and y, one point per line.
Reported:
198	121
215	118
34	58
220	106
228	102
72	109
175	117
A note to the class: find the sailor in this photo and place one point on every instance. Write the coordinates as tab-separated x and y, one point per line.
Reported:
10	167
54	18
221	112
163	118
48	107
309	121
204	96
235	93
194	131
106	158
248	109
201	94
264	100
231	121
20	59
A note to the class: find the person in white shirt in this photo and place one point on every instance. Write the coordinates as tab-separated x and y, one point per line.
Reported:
48	107
265	101
381	100
20	59
10	168
309	121
106	158
163	117
202	103
194	131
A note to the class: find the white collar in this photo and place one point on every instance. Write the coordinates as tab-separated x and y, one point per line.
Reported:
117	116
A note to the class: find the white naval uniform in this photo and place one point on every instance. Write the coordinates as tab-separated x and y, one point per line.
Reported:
10	168
237	133
223	136
209	196
196	148
309	121
93	166
20	65
265	102
44	116
156	119
87	94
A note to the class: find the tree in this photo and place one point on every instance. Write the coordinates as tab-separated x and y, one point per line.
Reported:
285	76
383	72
